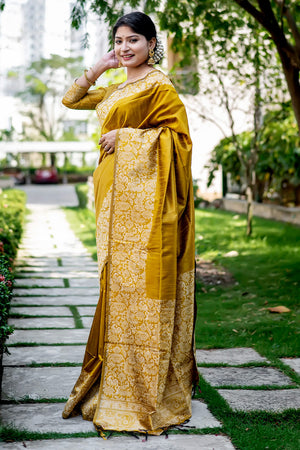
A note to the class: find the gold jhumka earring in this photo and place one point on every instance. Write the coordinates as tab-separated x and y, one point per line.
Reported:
151	59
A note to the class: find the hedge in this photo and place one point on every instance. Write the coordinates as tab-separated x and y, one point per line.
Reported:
82	194
12	214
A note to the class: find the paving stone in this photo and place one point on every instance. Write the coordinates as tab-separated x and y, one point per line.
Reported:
90	267
46	417
87	322
41	282
174	442
82	292
56	300
21	356
84	282
202	417
232	356
38	262
59	272
75	261
71	336
52	249
57	252
41	311
38	243
39	248
294	363
86	310
252	400
42	322
38	382
244	376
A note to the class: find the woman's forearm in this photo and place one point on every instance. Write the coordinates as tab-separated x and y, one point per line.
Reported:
91	75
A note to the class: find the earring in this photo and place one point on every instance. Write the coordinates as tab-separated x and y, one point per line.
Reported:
151	59
119	64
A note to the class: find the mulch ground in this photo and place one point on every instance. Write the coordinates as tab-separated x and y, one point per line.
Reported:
210	274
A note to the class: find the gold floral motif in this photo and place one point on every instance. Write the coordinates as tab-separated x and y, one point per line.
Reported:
154	77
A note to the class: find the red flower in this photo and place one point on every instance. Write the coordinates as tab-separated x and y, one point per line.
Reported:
2	278
9	283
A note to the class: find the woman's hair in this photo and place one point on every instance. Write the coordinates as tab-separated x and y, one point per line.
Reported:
139	22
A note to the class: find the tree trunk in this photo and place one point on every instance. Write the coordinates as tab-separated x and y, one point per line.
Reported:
53	159
297	195
291	74
266	17
249	193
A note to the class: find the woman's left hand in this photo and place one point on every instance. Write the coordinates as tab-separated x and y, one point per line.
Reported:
108	141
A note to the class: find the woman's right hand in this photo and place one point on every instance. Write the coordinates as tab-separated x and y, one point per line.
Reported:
110	60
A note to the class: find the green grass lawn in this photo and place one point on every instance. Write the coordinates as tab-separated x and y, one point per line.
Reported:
266	273
82	222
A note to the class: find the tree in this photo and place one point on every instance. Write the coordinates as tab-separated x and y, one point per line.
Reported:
236	90
278	161
7	134
281	19
193	23
46	81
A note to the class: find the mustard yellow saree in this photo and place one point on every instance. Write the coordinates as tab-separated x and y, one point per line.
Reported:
139	363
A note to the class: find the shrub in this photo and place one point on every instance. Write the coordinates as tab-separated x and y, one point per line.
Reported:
6	286
82	194
12	213
12	207
71	169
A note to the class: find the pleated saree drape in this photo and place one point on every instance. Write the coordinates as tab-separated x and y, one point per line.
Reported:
139	365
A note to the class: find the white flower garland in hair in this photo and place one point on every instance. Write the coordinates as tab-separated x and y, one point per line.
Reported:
159	51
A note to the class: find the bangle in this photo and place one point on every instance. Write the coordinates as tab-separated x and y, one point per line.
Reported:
89	81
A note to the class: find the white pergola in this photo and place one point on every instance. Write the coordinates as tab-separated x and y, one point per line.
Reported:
46	147
63	148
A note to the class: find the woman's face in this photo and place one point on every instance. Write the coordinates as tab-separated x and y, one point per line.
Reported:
131	48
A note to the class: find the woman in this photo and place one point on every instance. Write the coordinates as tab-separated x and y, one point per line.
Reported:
139	365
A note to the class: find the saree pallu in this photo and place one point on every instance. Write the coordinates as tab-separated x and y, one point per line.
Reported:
139	364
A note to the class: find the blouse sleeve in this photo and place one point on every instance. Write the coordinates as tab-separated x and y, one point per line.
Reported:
78	97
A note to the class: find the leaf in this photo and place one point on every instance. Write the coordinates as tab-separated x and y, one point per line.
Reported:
279	309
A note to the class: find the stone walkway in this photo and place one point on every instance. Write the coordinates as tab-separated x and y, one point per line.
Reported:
55	296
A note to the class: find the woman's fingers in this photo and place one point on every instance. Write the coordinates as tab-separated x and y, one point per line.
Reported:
108	140
107	147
